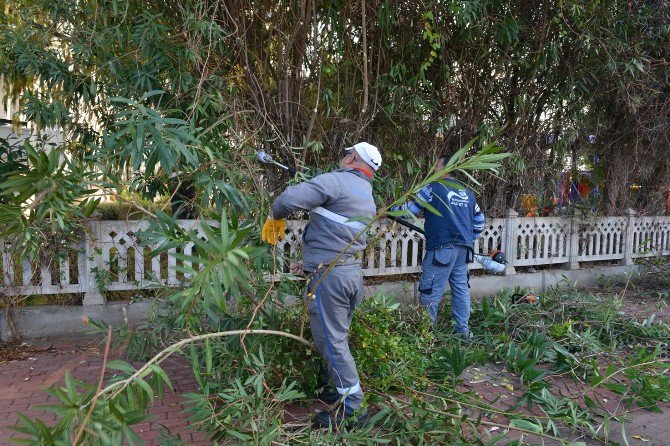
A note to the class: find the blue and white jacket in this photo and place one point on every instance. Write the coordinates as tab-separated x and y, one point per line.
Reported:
461	221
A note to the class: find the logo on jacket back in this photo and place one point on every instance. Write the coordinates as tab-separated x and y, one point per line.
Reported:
458	198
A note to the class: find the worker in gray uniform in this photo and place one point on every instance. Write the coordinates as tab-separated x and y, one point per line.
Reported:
339	201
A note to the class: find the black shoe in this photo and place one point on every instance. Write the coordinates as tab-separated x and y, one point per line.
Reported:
465	337
328	394
325	391
339	419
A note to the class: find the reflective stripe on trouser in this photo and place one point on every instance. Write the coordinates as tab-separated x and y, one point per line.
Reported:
330	314
442	265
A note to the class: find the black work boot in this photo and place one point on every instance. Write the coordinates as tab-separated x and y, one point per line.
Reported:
342	417
325	391
465	337
328	395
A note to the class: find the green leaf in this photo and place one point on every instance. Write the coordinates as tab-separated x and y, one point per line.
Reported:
527	425
238	435
616	387
208	355
145	387
118	364
590	403
70	386
428	206
161	374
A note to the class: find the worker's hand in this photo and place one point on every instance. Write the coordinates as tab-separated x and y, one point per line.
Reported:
273	231
296	269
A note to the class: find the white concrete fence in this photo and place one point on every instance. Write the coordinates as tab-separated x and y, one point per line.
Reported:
109	257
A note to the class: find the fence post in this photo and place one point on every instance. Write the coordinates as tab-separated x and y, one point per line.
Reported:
92	296
510	240
573	244
629	214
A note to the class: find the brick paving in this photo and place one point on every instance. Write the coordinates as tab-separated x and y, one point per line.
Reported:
22	384
502	390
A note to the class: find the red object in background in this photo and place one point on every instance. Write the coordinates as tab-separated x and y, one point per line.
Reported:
528	298
583	187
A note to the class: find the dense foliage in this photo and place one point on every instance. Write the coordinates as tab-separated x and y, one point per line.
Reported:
188	90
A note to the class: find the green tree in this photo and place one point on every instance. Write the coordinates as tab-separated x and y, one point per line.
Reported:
303	79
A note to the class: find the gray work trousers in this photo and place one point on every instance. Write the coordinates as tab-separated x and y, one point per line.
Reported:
330	310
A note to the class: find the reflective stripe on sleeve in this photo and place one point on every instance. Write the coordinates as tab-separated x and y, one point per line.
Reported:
340	219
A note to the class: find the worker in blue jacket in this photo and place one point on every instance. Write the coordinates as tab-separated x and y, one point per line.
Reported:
449	244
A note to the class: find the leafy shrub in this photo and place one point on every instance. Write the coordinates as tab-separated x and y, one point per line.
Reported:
390	343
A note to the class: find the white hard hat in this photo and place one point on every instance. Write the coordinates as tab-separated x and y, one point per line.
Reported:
368	153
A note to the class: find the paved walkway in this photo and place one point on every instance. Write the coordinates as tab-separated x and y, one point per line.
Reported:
502	390
22	384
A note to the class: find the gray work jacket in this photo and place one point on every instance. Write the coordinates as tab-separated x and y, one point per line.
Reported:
346	192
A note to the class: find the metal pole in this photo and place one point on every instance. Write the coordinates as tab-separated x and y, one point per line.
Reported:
264	158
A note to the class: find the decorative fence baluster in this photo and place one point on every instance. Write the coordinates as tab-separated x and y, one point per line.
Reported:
109	254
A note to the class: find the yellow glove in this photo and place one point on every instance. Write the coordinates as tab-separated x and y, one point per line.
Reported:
273	231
